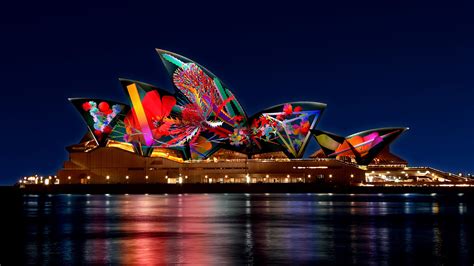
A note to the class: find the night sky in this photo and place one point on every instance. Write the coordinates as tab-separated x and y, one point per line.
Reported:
376	64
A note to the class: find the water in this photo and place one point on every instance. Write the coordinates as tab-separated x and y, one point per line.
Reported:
213	229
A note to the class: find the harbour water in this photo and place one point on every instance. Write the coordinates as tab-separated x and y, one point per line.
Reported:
216	229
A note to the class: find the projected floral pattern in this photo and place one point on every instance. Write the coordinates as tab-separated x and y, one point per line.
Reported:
286	126
102	115
200	117
99	115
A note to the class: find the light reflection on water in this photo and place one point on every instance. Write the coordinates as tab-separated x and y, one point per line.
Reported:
209	229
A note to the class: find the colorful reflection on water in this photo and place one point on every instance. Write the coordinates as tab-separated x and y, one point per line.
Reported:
212	229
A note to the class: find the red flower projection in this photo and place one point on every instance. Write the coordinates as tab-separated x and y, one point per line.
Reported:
288	109
86	106
304	127
103	107
157	110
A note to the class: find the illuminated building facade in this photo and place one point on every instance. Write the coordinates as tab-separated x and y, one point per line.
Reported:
199	133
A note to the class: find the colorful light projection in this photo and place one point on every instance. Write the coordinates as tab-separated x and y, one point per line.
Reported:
173	62
285	127
328	142
190	120
362	146
100	116
212	113
139	113
201	116
152	121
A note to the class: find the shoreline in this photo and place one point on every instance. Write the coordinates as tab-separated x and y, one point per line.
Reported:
228	188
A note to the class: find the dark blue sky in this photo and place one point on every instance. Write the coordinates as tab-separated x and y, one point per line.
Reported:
375	64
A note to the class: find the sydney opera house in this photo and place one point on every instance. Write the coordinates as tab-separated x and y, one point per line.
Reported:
199	133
